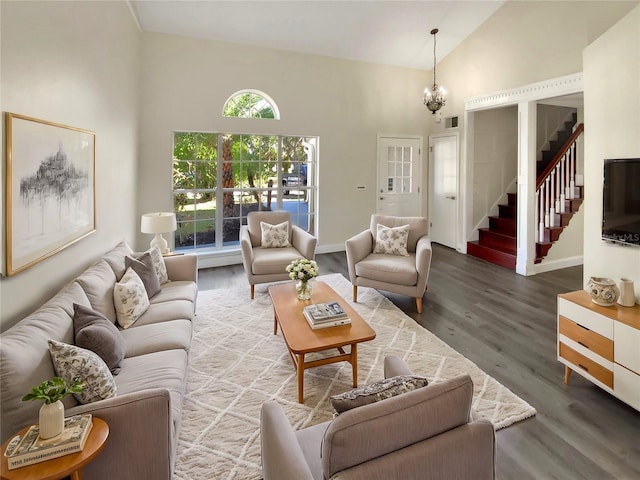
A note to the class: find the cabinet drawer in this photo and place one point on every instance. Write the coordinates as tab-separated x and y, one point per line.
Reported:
585	317
627	386
627	348
583	364
587	338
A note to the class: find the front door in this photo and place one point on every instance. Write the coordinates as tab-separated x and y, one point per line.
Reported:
399	180
443	194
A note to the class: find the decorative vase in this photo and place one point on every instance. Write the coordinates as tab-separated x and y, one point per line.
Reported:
627	293
603	291
303	289
51	419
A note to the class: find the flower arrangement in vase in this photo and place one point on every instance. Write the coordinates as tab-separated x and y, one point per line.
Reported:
303	270
51	417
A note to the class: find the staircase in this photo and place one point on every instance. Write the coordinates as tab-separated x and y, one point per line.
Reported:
557	200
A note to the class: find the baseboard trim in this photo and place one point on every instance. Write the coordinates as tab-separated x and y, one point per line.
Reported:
557	264
336	247
234	257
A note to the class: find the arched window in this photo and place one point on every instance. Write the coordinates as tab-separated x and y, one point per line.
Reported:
250	104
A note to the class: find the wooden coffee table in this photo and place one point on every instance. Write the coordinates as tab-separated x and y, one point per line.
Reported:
301	339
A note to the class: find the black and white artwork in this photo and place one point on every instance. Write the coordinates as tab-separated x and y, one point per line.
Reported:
50	189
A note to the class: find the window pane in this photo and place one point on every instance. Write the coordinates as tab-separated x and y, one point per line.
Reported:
205	233
183	175
185	235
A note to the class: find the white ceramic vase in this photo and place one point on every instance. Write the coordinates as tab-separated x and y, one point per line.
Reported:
603	291
51	419
627	293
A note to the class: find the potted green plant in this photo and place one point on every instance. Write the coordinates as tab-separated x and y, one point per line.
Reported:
51	417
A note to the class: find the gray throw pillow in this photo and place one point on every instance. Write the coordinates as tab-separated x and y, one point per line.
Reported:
374	392
143	266
95	332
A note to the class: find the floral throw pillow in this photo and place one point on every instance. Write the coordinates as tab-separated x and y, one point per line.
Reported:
71	362
275	236
392	241
374	392
130	298
158	264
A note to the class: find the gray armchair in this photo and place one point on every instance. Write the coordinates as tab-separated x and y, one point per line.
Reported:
264	265
404	275
426	433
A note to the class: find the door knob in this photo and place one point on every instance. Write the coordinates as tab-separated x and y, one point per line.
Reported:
452	197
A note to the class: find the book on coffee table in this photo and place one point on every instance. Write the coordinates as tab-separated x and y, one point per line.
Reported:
325	312
30	448
326	323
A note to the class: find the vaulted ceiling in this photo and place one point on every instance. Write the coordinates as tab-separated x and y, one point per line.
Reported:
385	32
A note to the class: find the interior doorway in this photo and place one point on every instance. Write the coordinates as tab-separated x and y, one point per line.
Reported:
443	192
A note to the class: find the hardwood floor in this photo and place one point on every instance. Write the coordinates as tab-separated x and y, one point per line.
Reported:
506	324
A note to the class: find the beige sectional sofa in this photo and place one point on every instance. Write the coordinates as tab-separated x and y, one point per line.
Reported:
144	415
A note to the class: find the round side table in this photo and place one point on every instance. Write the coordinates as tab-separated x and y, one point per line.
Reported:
61	467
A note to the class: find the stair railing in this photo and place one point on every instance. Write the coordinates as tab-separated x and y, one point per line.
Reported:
556	184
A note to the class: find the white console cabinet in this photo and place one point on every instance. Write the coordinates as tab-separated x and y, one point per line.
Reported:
601	343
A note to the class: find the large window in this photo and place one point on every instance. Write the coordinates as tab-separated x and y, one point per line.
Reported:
218	178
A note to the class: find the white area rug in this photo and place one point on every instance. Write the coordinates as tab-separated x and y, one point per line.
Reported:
237	363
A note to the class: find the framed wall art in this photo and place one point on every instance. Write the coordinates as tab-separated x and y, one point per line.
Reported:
50	189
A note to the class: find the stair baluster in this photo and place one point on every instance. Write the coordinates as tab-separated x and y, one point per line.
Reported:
555	192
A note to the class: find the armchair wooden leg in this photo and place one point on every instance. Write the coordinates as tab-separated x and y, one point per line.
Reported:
253	289
355	293
419	304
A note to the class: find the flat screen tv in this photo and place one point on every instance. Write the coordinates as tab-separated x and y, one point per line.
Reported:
621	201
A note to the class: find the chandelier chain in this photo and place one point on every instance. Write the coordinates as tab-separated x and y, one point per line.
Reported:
434	58
434	97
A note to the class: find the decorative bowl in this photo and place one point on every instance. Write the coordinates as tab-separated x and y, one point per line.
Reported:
603	291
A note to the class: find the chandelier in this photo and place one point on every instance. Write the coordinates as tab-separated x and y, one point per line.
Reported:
434	97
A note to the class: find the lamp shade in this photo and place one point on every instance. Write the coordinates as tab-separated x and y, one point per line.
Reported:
159	222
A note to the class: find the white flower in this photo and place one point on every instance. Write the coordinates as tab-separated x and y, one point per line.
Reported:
302	269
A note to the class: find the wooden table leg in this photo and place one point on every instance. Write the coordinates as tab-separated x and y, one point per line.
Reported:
354	363
77	475
567	374
300	367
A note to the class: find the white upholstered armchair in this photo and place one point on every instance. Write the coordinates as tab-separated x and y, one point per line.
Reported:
264	264
404	273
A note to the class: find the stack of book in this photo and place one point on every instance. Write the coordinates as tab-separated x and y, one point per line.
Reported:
30	448
323	315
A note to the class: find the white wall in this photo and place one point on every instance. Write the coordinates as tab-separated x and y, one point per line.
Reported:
347	104
611	64
495	159
550	119
74	63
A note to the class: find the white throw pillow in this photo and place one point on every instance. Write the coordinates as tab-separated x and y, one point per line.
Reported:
392	241
74	363
130	298
275	236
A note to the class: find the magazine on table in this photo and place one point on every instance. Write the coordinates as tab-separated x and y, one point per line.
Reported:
326	323
30	448
322	312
